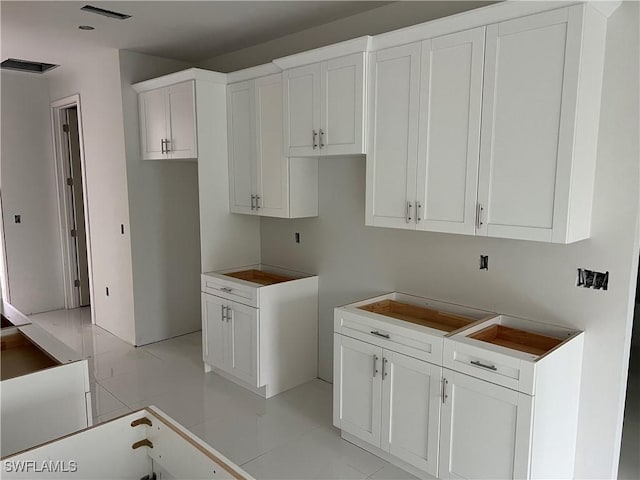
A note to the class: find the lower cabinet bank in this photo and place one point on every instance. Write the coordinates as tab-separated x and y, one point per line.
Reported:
146	444
452	392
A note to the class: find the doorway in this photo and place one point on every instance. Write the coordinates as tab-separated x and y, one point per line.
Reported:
73	212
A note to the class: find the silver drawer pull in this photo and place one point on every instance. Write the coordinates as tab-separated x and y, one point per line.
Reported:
226	289
480	364
383	335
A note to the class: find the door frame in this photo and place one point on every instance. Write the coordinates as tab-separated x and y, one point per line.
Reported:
69	260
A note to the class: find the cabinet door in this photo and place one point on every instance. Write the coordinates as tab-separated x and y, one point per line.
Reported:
241	140
357	388
450	106
411	410
272	166
215	331
301	90
243	343
393	137
526	108
486	430
153	123
342	122
182	135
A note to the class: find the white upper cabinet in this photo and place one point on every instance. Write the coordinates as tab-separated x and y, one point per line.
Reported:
262	180
394	76
449	143
168	123
543	77
324	107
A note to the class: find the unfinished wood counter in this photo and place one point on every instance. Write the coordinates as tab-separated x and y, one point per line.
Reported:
517	339
21	356
259	276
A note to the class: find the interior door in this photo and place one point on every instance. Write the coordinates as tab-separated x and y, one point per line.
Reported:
357	388
215	353
182	121
522	120
411	410
392	153
301	90
241	140
486	430
343	105
153	120
449	145
243	343
271	164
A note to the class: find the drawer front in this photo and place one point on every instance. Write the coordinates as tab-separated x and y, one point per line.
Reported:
420	345
230	290
487	365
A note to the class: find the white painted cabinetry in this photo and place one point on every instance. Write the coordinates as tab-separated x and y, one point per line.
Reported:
259	327
168	122
263	181
324	110
497	140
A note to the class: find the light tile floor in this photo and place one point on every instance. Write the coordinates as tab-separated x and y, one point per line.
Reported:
288	436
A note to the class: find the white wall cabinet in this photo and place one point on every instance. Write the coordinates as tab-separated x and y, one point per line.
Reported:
259	327
168	123
518	118
263	181
324	108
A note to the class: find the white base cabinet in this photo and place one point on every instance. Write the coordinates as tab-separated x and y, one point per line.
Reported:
446	391
45	391
259	327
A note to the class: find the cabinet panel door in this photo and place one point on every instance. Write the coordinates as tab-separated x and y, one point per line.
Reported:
241	139
357	388
301	102
411	410
272	166
393	136
450	107
486	430
216	331
182	121
153	123
343	105
522	116
243	343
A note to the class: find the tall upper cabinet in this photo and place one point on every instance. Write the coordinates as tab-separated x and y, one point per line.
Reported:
262	180
490	131
168	122
324	110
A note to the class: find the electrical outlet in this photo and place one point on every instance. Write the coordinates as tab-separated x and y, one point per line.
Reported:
592	279
484	262
297	237
17	218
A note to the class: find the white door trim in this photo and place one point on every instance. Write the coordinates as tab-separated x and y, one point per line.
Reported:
68	259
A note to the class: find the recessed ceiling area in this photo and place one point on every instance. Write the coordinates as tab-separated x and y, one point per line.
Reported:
182	30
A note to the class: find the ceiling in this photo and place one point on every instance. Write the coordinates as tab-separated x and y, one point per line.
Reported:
191	31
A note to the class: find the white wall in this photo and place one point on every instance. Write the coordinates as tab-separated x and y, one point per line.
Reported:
527	279
34	258
165	222
95	75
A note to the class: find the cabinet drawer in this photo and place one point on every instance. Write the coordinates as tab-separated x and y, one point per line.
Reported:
508	371
230	290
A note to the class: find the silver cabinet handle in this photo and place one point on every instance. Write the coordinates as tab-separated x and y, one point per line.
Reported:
258	206
383	335
315	142
321	138
162	145
479	210
375	365
224	309
483	365
444	390
384	368
418	207
226	289
166	145
408	213
253	199
229	314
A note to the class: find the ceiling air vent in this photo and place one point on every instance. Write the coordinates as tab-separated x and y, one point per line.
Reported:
26	65
106	13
